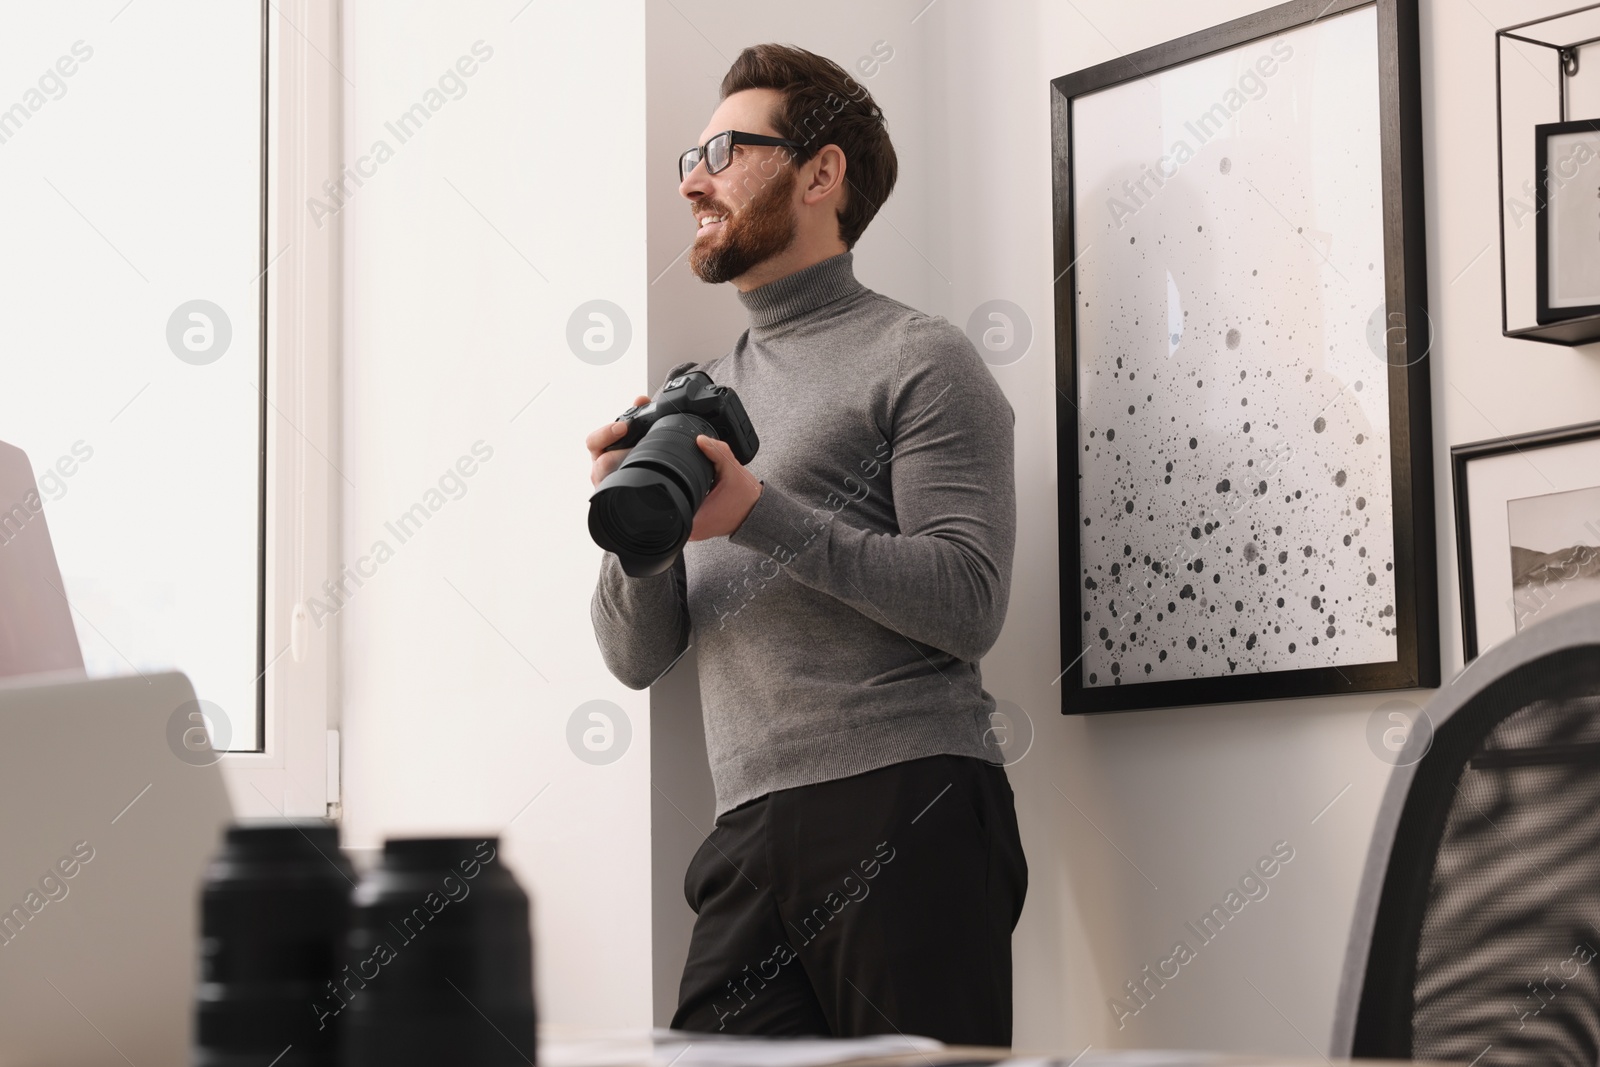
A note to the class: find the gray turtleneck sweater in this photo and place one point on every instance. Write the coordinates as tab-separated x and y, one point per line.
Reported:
839	628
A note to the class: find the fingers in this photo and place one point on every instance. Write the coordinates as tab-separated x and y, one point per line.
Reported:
715	451
607	434
597	441
720	454
602	467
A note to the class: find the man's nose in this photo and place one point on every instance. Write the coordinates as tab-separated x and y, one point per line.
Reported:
696	184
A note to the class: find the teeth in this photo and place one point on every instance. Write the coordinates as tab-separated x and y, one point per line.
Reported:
706	220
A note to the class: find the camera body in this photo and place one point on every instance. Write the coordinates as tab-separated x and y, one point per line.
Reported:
694	393
644	510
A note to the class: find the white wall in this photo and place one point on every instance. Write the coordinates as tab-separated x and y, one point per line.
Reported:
467	651
1133	823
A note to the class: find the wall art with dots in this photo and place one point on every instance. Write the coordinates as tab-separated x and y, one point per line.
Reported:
1246	482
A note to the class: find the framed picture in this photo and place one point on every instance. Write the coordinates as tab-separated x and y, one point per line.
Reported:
1243	427
1567	219
1527	529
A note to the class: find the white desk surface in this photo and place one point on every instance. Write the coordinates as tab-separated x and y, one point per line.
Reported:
566	1047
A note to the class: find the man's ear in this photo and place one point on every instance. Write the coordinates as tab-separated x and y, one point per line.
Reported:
825	173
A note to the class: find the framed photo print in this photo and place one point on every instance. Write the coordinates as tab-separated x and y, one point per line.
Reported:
1243	430
1567	219
1527	530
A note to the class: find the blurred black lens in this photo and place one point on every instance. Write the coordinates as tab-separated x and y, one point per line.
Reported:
442	959
646	518
273	912
644	510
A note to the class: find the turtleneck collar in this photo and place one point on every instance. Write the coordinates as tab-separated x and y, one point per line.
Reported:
805	290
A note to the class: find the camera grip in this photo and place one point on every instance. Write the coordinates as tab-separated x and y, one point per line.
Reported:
633	436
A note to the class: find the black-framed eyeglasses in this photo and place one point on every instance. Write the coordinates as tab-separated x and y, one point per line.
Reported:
718	151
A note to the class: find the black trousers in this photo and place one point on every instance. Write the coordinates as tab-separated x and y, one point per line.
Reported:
879	903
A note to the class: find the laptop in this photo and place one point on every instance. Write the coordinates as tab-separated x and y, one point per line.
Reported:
36	631
107	821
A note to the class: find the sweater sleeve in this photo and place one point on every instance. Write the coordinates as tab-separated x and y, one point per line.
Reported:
641	624
944	578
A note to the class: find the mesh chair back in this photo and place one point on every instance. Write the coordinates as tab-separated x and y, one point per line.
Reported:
1484	942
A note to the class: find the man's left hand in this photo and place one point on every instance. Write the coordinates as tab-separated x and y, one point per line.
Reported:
732	496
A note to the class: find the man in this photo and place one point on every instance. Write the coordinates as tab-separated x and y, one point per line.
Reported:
865	872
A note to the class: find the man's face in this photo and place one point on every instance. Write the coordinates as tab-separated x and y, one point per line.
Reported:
745	213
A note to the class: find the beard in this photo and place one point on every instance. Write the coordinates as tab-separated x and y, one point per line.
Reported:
764	228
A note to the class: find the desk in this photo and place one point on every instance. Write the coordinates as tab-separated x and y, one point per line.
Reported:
565	1047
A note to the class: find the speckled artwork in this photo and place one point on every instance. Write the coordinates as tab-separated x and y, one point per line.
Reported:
1233	402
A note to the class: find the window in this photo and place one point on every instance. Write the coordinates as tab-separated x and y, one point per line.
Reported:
131	160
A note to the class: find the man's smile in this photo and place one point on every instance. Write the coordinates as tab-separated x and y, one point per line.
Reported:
710	223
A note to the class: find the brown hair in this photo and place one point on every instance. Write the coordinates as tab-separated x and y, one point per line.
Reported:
823	105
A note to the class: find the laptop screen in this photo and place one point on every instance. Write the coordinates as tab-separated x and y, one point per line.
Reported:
36	630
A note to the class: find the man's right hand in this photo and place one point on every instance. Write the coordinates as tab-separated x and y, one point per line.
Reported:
603	463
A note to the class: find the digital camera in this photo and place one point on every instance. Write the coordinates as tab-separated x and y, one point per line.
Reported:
644	510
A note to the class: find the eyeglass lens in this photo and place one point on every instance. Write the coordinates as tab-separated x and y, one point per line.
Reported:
717	152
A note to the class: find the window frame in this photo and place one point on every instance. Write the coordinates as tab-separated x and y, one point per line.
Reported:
295	770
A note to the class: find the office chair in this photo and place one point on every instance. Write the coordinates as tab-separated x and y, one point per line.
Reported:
1477	927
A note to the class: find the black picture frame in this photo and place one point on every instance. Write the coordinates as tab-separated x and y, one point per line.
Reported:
1544	313
1461	459
1416	663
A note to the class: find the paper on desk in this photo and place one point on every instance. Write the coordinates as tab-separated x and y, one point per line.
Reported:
1124	1058
674	1048
709	1050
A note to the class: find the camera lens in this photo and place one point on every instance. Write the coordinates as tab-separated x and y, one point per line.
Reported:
645	517
440	947
644	510
274	908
